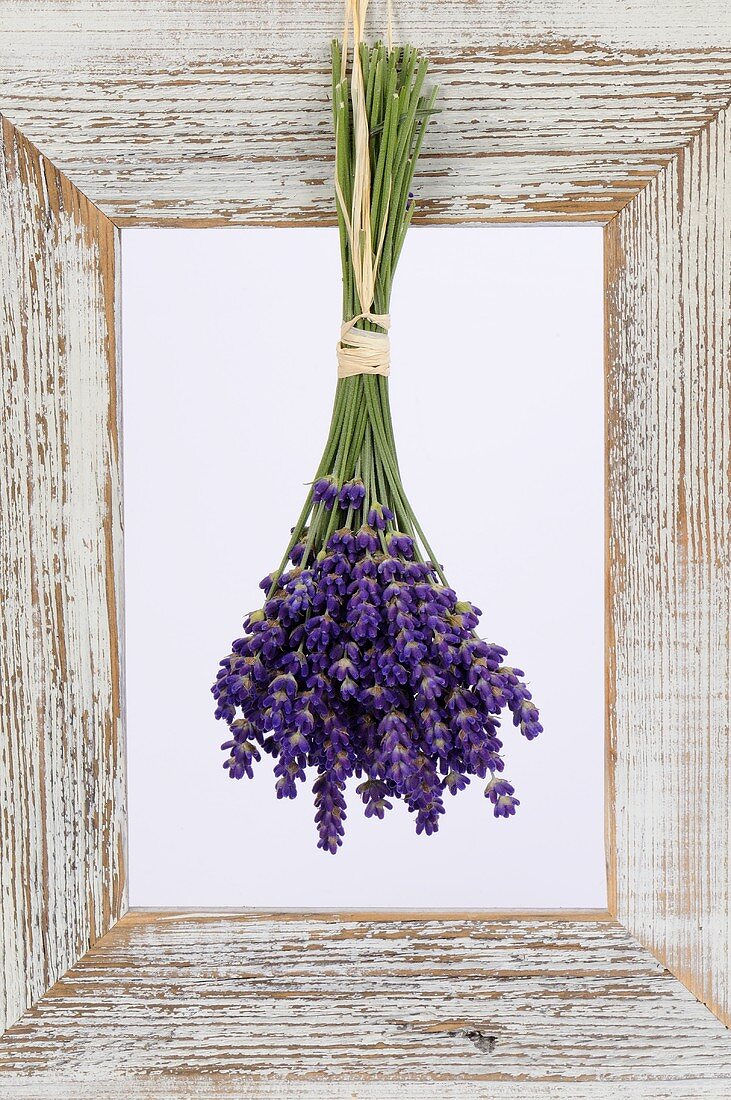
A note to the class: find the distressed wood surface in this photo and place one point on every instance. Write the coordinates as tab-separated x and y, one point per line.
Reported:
668	258
245	1004
217	111
214	112
61	757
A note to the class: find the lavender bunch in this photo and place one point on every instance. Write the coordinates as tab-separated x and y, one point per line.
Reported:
362	662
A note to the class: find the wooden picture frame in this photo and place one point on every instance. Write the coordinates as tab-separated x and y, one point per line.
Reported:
216	112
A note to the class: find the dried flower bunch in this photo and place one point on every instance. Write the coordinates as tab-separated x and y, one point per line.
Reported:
362	661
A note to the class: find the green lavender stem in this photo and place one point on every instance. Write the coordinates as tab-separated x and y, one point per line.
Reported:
361	439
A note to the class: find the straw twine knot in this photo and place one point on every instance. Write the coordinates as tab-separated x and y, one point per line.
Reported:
361	351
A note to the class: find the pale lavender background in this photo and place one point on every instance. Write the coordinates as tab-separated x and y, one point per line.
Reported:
228	368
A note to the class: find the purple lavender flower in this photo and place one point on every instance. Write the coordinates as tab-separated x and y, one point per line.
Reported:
362	665
325	491
505	805
330	815
352	494
366	539
501	792
454	782
374	794
525	715
402	544
379	515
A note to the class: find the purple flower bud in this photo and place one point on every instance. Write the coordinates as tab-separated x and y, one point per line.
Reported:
325	491
399	543
498	787
454	782
366	539
297	552
352	494
505	805
378	516
344	541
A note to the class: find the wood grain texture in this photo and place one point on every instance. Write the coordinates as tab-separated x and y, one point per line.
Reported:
669	499
62	872
217	111
241	1004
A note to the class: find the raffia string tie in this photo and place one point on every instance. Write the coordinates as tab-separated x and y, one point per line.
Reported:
361	351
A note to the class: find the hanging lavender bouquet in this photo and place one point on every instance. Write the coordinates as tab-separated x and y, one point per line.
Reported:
362	661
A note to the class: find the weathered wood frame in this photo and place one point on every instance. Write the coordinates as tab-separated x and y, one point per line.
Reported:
216	113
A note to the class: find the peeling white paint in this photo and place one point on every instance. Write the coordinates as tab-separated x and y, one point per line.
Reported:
213	112
367	1005
219	112
669	486
62	795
